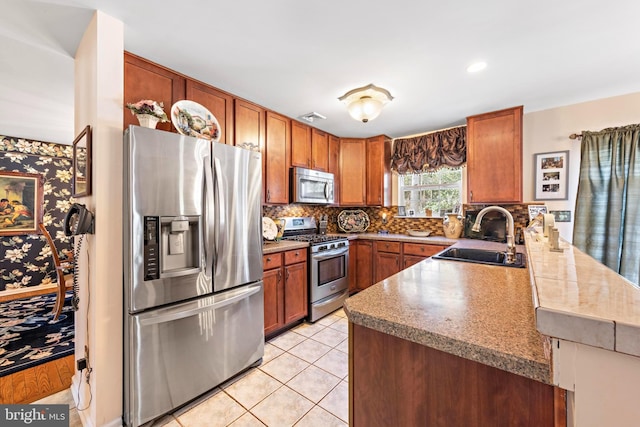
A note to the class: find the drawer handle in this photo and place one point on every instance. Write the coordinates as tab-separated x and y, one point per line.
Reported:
268	259
422	249
297	254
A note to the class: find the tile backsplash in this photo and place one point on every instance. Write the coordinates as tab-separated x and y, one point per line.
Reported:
394	224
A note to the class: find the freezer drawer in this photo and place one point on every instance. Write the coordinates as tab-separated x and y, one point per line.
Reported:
177	353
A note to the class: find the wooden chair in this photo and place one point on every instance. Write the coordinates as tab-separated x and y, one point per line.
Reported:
65	281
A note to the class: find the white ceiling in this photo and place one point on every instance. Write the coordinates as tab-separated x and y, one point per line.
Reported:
296	57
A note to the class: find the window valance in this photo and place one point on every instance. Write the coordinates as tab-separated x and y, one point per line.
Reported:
430	152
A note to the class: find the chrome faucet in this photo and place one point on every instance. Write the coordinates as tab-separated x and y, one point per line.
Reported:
511	246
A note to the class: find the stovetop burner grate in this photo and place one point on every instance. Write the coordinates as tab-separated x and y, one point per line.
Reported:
313	238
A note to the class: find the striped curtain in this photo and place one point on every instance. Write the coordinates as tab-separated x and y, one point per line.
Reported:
607	223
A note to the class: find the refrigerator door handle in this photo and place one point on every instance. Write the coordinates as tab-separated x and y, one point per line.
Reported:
177	313
221	223
208	217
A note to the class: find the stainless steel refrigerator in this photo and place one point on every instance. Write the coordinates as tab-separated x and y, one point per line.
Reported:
193	269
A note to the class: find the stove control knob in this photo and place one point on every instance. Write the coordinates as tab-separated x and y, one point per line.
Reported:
322	248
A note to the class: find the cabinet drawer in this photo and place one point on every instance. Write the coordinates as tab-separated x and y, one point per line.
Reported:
422	249
272	261
299	255
384	246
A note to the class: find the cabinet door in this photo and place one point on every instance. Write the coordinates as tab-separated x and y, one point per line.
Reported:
249	125
319	150
387	264
422	250
409	260
379	171
353	172
494	157
295	292
334	166
364	262
353	267
146	80
273	310
220	104
276	177
300	144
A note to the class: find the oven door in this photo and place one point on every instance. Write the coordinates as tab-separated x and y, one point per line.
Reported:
328	273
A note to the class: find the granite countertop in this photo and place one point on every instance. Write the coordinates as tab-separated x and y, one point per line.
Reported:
433	240
581	300
478	312
283	245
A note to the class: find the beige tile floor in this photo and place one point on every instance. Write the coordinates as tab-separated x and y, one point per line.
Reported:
302	381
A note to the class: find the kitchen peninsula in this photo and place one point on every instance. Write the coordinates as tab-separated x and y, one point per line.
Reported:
452	343
449	342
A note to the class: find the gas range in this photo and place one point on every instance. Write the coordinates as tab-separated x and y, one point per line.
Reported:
328	265
303	229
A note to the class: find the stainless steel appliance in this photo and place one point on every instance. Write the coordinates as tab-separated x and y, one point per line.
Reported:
328	265
193	269
311	186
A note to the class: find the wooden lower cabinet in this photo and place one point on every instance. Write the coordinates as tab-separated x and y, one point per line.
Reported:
285	289
413	253
295	292
387	259
395	382
371	261
364	264
353	269
272	283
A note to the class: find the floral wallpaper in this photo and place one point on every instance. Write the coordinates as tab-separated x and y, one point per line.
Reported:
26	260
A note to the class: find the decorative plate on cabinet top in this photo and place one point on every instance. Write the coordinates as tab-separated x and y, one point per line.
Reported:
269	228
192	119
353	221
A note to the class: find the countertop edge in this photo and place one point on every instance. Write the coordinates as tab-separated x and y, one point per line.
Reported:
527	368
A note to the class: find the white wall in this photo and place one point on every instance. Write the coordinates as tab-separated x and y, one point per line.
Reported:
99	83
603	385
549	130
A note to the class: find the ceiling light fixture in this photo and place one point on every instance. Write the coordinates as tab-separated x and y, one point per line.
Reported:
365	103
475	67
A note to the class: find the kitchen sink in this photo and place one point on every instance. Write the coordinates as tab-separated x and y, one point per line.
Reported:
480	256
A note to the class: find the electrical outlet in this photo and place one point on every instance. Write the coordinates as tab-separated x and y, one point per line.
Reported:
81	364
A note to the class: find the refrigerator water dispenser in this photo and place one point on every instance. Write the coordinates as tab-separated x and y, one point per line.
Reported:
180	245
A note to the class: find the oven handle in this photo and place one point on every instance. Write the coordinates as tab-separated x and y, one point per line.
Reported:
330	254
329	301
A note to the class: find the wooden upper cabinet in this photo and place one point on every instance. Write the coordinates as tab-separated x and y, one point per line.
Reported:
353	172
146	80
494	157
334	165
276	177
300	144
249	125
319	150
220	104
379	171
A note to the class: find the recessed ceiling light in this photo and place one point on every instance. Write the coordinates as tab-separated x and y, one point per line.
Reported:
477	66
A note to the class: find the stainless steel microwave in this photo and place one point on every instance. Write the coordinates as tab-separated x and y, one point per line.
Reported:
311	186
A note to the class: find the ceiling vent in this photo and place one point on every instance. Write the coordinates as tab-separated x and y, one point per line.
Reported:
312	116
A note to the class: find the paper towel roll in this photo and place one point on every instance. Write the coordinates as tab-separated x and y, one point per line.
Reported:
548	221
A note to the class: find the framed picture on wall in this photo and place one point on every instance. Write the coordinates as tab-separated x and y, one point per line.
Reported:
21	196
551	175
82	163
535	210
